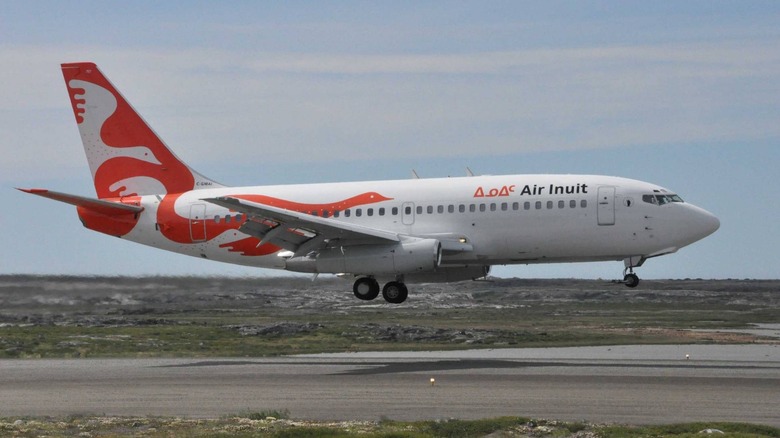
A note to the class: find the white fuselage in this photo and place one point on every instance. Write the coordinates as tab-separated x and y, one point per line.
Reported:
514	219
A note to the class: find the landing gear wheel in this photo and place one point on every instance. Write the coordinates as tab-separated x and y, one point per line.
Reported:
395	292
631	280
366	288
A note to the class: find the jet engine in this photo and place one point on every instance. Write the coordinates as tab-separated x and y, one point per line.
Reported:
447	274
405	257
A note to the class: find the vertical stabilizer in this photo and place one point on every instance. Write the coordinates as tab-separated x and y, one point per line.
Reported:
125	155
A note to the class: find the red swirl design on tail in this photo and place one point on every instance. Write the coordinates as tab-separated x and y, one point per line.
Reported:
123	129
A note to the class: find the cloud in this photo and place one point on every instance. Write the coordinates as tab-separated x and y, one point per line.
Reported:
217	105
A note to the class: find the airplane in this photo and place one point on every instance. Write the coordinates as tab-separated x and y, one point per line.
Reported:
416	230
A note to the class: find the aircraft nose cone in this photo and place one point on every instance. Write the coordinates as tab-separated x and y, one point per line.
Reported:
712	224
707	223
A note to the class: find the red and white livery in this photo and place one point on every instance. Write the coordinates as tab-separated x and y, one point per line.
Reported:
416	230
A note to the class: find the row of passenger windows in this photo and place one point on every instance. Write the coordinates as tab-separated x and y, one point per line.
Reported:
460	208
431	209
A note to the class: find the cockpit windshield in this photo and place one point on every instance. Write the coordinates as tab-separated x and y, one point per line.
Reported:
661	199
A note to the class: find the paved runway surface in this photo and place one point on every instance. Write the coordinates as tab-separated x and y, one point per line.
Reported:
604	384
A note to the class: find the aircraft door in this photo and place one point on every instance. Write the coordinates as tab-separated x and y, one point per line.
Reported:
606	205
198	222
407	213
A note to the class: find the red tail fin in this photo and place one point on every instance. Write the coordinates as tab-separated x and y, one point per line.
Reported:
125	156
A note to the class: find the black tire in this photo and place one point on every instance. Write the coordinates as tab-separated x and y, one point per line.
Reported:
631	280
395	292
366	288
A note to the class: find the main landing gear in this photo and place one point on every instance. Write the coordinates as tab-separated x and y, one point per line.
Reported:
367	288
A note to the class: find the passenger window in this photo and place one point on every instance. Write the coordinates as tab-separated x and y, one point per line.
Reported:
572	204
549	205
395	211
429	209
526	205
583	203
515	206
314	213
538	205
382	211
325	213
239	218
408	210
481	207
504	206
472	207
347	213
450	208
358	212
227	219
492	206
461	208
370	211
216	218
561	204
336	213
419	209
440	209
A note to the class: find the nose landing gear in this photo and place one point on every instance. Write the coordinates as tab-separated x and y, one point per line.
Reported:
629	278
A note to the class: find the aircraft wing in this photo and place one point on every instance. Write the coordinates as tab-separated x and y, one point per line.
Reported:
299	232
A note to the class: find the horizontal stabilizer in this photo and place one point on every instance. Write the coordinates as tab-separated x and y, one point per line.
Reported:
108	208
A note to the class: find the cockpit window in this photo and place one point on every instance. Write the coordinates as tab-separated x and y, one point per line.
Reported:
661	199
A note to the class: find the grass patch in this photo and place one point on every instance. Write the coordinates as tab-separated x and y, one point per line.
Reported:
241	426
689	430
52	317
469	428
274	414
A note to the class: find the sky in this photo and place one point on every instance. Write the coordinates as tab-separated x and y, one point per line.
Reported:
682	94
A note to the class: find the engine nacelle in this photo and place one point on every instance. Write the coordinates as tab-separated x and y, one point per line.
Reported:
406	257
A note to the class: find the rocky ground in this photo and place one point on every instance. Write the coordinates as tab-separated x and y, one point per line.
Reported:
111	300
95	301
173	316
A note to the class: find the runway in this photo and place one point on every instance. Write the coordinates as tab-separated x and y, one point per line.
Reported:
628	384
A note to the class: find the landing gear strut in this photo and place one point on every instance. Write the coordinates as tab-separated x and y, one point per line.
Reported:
367	288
